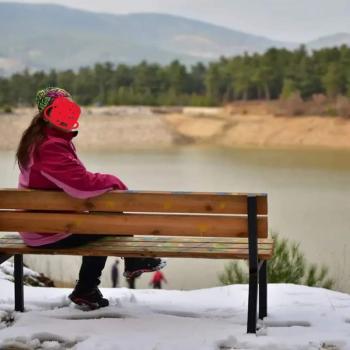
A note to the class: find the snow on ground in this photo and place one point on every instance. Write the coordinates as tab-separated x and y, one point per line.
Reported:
300	318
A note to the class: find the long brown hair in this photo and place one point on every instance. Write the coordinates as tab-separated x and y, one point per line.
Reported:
30	139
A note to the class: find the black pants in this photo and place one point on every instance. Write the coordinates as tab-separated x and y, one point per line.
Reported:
157	285
91	267
114	282
131	282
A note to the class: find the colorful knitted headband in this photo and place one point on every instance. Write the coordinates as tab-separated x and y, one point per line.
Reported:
46	96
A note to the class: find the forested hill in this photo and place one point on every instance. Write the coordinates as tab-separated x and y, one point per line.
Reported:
52	36
275	73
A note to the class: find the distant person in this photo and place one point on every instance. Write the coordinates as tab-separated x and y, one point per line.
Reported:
157	279
47	160
115	274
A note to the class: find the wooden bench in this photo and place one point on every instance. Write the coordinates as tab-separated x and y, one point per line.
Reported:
163	224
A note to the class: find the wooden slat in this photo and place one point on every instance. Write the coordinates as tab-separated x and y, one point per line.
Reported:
169	244
16	238
264	255
178	245
132	201
126	224
113	243
164	249
110	239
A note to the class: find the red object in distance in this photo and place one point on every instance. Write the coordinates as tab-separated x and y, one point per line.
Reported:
63	113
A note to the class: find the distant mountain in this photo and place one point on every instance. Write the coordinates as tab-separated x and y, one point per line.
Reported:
40	36
330	41
52	36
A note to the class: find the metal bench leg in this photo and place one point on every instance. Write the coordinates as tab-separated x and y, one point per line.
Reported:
19	301
252	302
253	264
263	290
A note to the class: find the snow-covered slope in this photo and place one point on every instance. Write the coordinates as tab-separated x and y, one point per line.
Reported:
30	277
300	318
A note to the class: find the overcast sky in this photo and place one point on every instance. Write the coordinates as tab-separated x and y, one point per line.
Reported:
291	20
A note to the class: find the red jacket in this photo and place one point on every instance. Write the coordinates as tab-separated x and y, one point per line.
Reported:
56	166
158	277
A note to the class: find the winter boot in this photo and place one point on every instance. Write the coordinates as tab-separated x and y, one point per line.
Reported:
134	267
90	298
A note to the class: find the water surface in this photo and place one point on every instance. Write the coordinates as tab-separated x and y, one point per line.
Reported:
308	193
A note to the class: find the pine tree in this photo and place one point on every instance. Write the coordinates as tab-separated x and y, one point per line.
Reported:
333	81
288	265
289	88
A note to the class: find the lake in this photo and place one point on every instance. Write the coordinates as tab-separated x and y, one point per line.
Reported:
309	201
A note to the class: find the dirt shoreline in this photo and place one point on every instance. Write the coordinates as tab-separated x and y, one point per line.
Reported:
110	128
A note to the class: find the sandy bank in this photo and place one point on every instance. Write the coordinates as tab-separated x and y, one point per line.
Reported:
108	128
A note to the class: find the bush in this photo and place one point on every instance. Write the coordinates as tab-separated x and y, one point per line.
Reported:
331	111
318	104
293	105
288	265
200	101
7	109
343	106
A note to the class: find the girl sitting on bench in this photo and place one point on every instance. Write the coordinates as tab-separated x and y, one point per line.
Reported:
48	161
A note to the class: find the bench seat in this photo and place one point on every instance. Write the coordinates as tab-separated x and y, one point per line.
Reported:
150	246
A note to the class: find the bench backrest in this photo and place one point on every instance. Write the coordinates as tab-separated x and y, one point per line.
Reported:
133	213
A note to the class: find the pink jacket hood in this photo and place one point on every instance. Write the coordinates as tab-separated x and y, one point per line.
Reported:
55	166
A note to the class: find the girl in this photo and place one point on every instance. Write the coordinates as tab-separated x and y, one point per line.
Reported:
47	160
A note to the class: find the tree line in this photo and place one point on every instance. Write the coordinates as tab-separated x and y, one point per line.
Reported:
271	75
